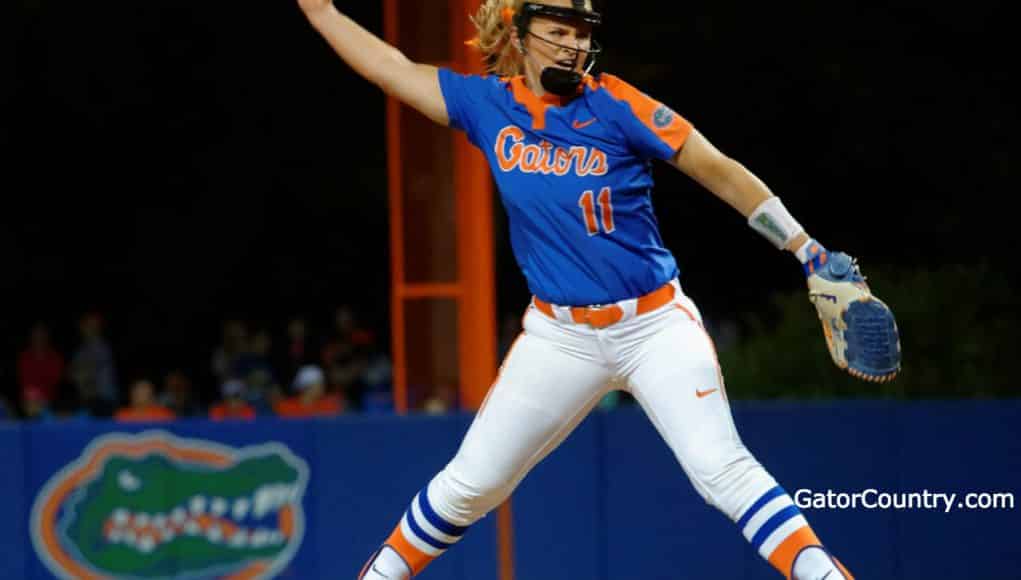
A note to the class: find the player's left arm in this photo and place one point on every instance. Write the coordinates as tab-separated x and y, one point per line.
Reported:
726	179
860	329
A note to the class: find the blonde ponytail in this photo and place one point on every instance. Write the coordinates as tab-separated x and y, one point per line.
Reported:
496	40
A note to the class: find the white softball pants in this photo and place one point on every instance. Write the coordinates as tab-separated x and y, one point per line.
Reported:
557	372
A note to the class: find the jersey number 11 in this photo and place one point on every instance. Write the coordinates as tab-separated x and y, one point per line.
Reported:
588	207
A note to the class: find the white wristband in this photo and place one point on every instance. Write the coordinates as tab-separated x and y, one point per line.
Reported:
772	220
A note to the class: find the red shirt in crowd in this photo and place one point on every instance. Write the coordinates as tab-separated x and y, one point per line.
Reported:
41	369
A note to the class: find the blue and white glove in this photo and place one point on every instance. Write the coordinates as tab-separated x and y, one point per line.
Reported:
860	329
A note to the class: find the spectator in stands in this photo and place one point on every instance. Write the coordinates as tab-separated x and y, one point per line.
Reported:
346	336
232	346
442	400
298	350
311	399
143	407
347	357
256	369
233	406
338	348
40	365
347	376
262	392
92	367
378	380
178	395
256	357
35	404
91	403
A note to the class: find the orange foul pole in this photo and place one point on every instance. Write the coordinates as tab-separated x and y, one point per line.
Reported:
472	288
474	186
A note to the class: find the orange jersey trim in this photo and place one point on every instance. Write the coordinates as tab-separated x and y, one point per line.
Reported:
666	124
535	104
650	112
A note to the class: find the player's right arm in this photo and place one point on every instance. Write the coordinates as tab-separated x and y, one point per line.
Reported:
416	85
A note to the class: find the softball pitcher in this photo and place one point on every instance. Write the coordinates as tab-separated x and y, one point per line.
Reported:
571	155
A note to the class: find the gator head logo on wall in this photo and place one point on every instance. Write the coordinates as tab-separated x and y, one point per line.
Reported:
154	506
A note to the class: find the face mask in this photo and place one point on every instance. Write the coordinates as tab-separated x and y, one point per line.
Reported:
555	80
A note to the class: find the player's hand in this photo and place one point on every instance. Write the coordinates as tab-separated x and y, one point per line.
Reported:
860	329
314	6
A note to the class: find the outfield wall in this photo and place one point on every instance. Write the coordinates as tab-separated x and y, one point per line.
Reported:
611	504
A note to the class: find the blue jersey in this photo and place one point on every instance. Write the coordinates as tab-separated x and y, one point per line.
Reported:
575	178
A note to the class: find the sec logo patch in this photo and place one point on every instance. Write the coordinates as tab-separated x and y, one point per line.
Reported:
662	117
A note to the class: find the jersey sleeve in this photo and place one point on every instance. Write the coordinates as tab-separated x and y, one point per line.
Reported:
652	129
464	96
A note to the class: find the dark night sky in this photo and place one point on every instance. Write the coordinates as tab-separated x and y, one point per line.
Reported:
175	163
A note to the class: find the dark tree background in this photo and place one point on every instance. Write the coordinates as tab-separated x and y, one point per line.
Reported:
176	163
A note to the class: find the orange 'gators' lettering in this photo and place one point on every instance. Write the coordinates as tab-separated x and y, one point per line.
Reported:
513	153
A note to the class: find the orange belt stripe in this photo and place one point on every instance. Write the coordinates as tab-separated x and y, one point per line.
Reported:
603	316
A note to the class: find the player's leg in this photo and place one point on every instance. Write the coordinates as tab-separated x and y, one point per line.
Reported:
675	376
550	380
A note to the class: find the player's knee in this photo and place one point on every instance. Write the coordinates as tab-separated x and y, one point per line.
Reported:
721	476
711	465
462	499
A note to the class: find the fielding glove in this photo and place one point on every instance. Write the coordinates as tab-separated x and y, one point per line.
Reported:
860	329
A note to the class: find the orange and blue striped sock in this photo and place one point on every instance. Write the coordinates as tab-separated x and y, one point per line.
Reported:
422	534
781	535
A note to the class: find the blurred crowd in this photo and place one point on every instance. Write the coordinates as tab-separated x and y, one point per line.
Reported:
319	369
250	373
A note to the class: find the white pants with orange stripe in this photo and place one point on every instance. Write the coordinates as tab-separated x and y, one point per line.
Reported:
555	373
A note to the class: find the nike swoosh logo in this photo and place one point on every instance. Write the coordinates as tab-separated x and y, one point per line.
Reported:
376	570
582	125
704	394
827	575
